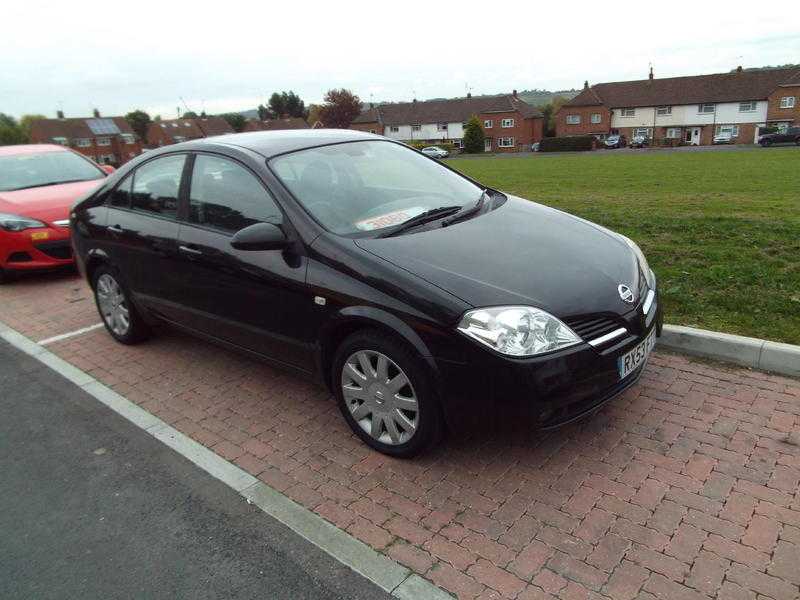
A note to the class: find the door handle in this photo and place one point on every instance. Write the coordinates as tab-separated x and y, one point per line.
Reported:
189	250
114	229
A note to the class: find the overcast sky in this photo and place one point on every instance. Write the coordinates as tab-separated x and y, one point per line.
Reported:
118	56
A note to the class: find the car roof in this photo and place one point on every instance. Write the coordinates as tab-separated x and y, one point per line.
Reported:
30	149
273	143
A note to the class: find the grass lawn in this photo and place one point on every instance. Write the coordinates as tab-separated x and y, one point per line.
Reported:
720	229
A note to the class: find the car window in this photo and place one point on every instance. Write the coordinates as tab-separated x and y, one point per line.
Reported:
121	196
226	196
156	185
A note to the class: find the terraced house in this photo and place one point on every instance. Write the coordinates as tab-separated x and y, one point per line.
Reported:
509	123
106	140
174	131
689	110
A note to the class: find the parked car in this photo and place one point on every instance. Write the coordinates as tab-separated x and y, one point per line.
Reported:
723	137
435	152
535	147
615	141
791	135
639	141
420	297
38	185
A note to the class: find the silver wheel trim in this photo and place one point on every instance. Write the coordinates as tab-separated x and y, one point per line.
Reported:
380	397
113	305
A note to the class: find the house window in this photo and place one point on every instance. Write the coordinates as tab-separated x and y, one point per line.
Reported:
179	138
488	124
394	129
505	142
573	119
706	109
129	138
641	132
627	112
104	141
416	128
787	102
732	129
106	159
507	123
673	132
747	106
372	131
596	117
663	111
60	140
83	142
441	127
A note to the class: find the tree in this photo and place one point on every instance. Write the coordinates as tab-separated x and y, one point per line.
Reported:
189	114
10	131
26	121
286	104
340	108
549	111
139	122
474	136
263	112
277	107
314	114
235	120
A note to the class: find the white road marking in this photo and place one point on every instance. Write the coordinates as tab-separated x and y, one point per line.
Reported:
66	336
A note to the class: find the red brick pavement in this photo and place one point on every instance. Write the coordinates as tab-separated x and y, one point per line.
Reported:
684	487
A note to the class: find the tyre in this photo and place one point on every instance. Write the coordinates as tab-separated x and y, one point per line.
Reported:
114	305
385	394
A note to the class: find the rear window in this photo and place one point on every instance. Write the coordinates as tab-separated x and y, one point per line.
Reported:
23	171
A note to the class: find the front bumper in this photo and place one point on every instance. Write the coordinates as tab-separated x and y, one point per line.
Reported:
541	392
33	249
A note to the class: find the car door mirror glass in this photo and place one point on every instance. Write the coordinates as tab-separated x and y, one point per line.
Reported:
260	236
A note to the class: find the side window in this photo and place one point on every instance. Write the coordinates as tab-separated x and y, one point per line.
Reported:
121	196
225	196
156	185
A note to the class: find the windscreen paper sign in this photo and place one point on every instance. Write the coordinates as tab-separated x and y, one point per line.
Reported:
389	219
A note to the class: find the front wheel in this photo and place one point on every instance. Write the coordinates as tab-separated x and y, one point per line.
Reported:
114	305
385	394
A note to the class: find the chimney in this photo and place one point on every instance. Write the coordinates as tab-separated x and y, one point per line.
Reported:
96	113
514	93
60	114
414	101
739	69
586	84
651	73
469	94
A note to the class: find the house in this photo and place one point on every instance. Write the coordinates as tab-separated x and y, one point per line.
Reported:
510	124
690	110
106	140
275	124
174	131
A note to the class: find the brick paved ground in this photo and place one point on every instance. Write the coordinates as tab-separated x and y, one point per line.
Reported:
684	487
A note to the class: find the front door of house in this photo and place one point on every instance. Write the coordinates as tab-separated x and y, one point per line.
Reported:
693	135
487	145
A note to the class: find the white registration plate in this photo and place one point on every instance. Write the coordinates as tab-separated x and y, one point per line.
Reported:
629	362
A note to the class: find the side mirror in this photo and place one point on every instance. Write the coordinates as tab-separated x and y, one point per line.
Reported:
261	236
108	169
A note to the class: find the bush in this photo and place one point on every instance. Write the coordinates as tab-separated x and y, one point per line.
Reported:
420	144
568	144
474	136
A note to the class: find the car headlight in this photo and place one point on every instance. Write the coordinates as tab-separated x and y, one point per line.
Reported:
517	330
642	260
17	223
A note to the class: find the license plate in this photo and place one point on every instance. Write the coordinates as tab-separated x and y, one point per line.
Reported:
629	362
40	235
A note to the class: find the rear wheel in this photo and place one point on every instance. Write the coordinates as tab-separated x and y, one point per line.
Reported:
113	302
385	394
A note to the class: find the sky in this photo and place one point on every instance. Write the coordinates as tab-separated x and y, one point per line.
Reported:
166	56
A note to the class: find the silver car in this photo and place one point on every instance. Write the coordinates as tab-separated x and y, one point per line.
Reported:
435	152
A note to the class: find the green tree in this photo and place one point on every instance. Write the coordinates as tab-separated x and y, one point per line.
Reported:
549	112
285	104
277	106
235	120
340	108
474	136
26	121
314	114
139	122
263	112
189	114
10	131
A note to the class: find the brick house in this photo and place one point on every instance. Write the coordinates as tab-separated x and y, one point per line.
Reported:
106	140
783	104
174	131
510	124
690	110
276	124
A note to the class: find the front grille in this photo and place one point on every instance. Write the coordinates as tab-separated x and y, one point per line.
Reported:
591	327
60	250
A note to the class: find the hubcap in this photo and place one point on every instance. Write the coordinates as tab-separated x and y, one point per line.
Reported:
380	397
112	303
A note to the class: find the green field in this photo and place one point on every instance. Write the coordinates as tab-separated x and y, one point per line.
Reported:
720	229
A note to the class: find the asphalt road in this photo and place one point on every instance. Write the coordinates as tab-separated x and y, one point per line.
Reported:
93	507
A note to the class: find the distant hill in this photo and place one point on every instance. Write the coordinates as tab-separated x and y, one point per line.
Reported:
542	97
771	68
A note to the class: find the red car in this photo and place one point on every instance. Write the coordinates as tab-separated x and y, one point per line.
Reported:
38	185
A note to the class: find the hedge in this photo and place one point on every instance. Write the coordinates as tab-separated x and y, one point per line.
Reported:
420	144
568	144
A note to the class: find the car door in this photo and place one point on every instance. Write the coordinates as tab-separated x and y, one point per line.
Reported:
257	300
142	231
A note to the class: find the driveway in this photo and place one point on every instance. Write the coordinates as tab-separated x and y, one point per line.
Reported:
684	487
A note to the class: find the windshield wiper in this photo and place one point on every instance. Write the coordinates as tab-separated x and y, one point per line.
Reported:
427	216
467	212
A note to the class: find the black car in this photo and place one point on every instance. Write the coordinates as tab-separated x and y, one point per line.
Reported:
423	299
791	135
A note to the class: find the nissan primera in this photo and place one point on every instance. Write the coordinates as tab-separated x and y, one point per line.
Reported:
423	299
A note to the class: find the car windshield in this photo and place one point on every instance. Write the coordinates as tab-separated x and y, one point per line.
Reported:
358	187
21	171
613	138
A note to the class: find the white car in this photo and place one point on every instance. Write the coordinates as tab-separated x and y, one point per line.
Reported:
435	152
724	137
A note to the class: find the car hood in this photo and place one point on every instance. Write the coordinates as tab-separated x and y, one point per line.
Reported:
49	203
520	253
